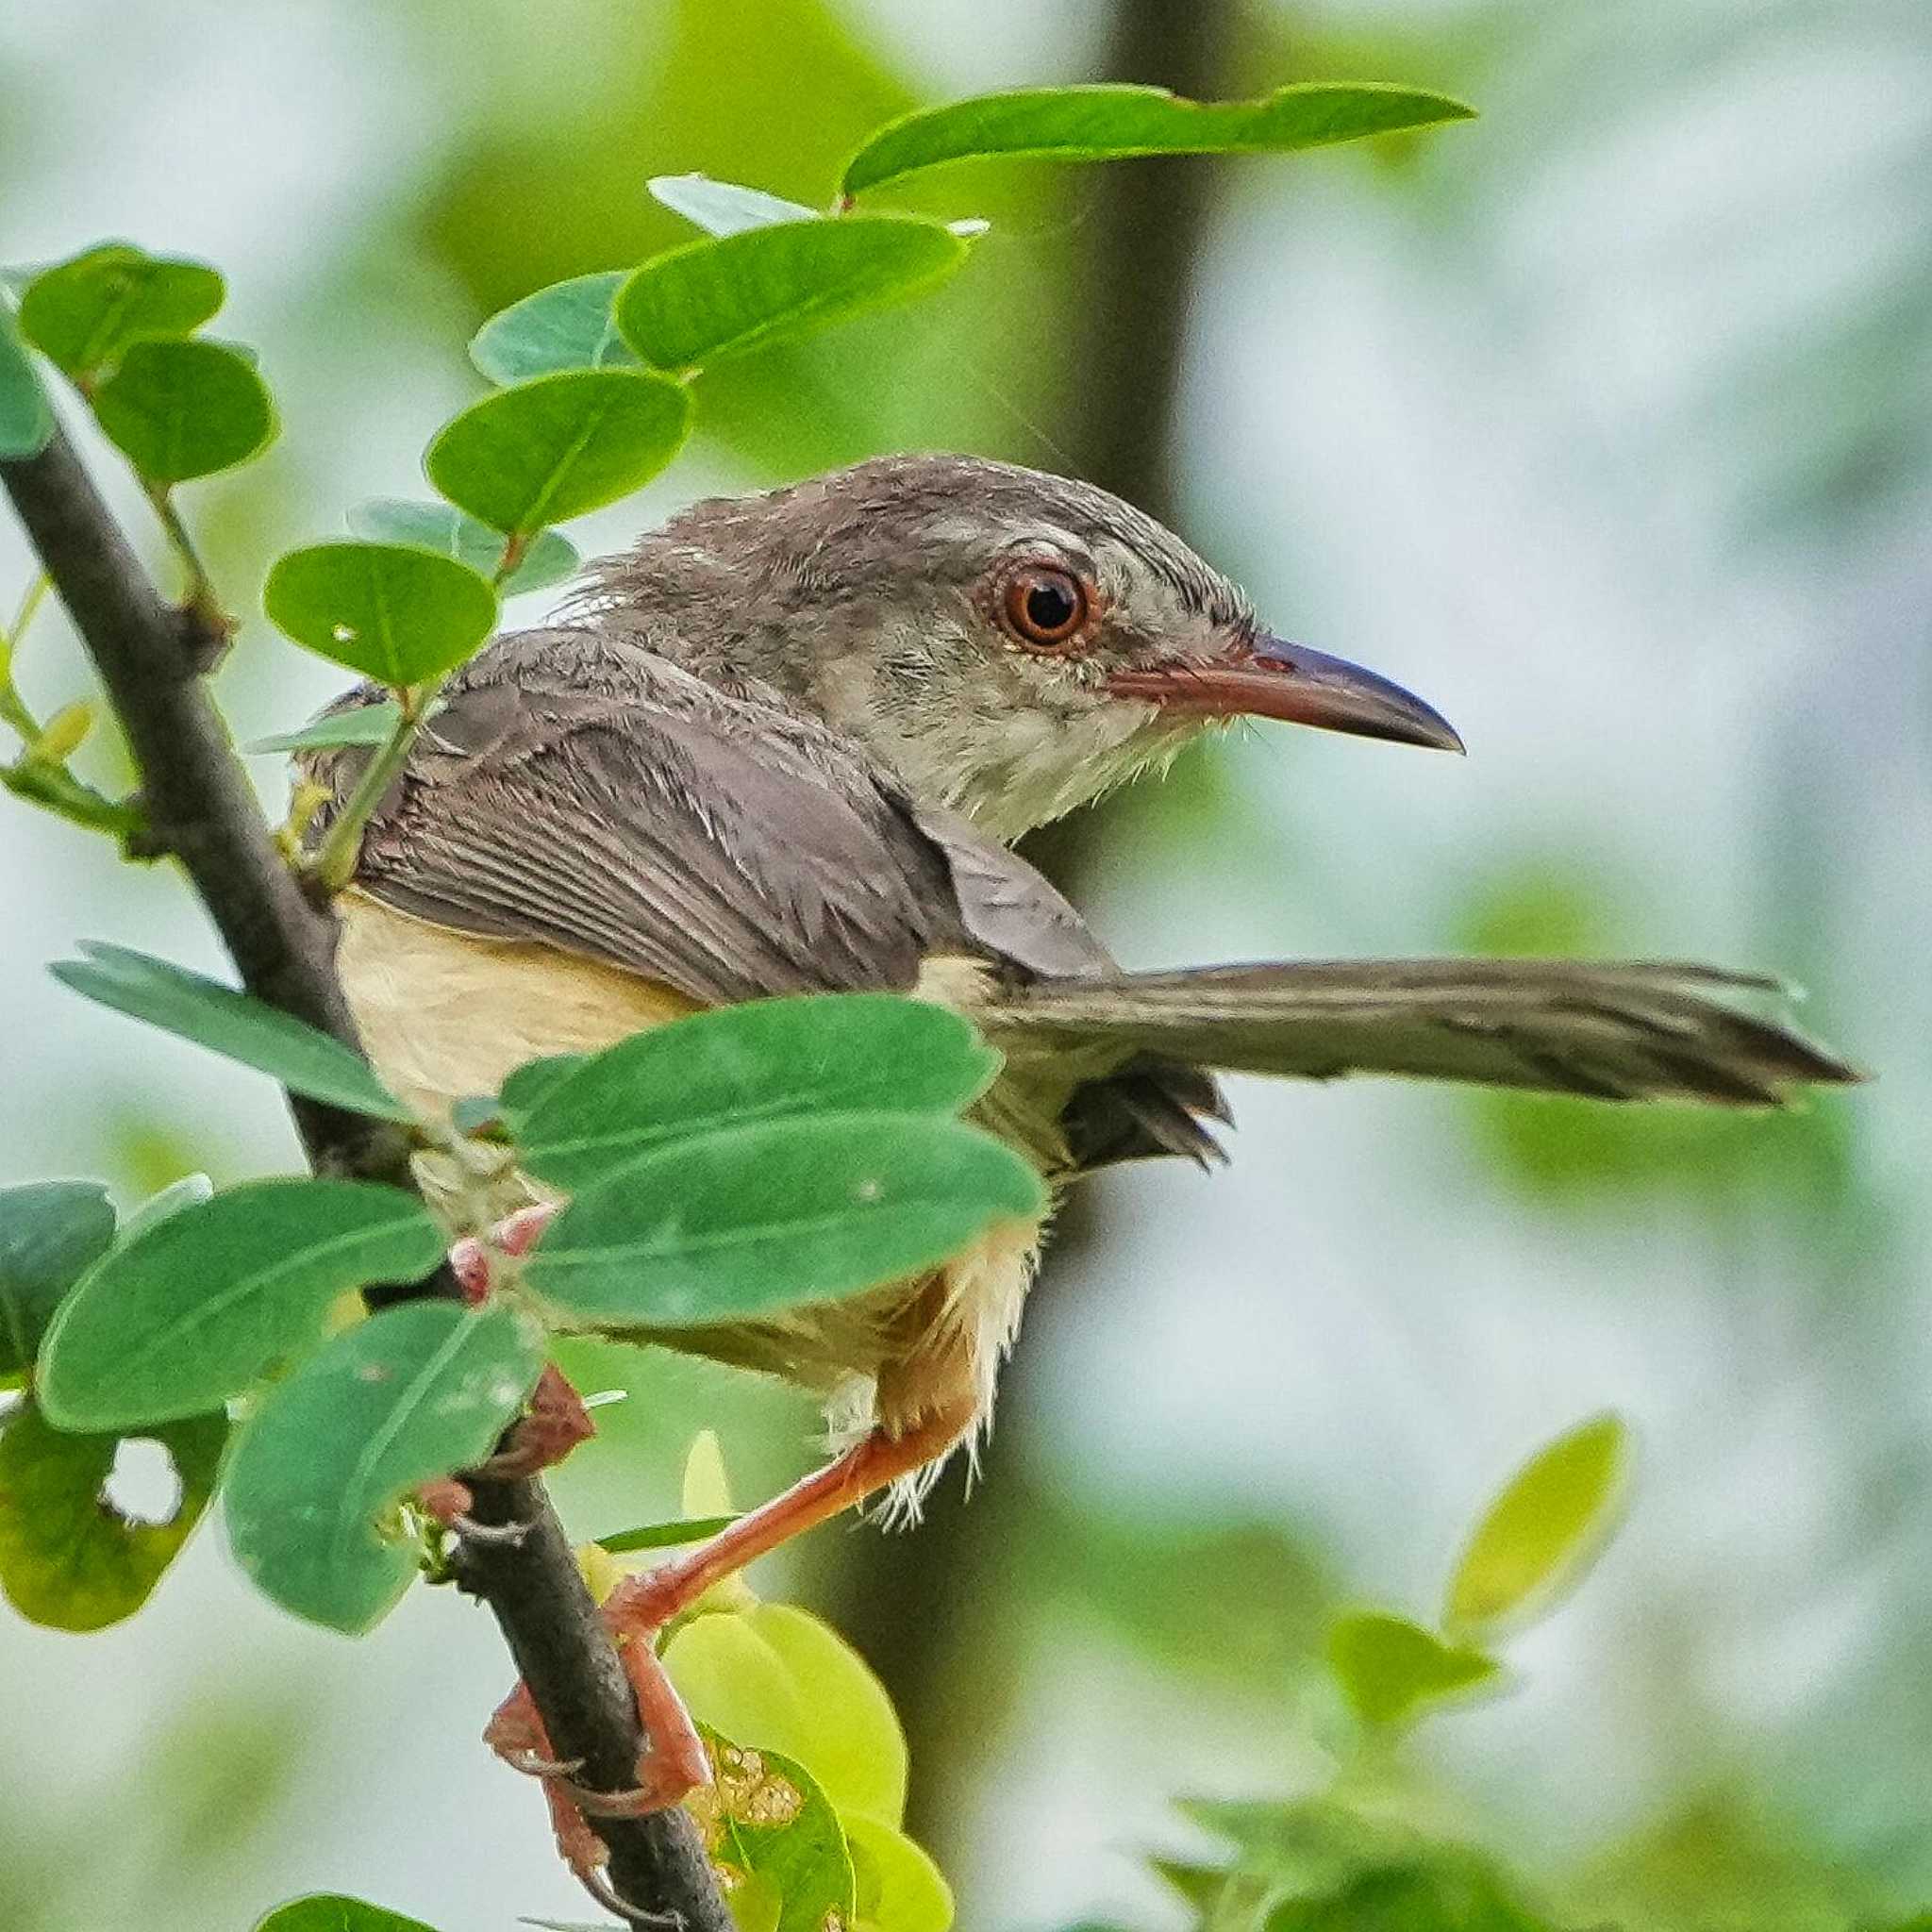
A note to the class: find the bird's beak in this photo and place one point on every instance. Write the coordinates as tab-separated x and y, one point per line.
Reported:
1265	677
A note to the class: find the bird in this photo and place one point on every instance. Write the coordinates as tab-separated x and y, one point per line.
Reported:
786	743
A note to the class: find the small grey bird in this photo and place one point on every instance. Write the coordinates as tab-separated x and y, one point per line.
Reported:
781	746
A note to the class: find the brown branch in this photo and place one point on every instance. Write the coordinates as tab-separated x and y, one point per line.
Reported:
200	808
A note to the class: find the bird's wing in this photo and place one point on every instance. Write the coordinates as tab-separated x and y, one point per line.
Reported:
724	866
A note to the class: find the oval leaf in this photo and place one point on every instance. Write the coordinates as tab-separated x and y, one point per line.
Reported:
178	410
199	1306
777	1674
768	1059
754	1220
1388	1668
567	326
722	207
330	1911
1545	1529
560	446
360	725
742	291
899	1887
411	1394
764	1820
51	1232
1106	121
442	526
390	611
26	417
231	1023
83	314
68	1557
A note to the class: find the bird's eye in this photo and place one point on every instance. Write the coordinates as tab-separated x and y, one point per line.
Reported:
1044	608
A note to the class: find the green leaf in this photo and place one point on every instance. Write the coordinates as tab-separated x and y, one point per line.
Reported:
749	1220
722	207
199	1306
567	326
898	1887
776	1673
767	1059
742	291
665	1536
1454	1892
51	1232
231	1023
393	611
26	417
1105	122
765	1819
1390	1667
179	410
70	1558
84	314
361	724
190	1191
330	1911
559	445
412	1395
442	526
1545	1529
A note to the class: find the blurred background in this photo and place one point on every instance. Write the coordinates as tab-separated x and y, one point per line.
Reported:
1605	423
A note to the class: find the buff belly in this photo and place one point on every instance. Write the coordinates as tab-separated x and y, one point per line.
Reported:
444	1014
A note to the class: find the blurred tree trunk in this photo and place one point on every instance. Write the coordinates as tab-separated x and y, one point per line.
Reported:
922	1608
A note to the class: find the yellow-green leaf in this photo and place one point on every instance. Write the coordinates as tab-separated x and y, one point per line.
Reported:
1543	1531
899	1887
1388	1668
779	1677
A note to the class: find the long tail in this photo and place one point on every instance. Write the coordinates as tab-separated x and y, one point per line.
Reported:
1623	1030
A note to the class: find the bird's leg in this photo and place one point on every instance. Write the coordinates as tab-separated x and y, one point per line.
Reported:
673	1762
650	1601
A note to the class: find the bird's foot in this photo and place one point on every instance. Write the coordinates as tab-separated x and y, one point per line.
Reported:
671	1765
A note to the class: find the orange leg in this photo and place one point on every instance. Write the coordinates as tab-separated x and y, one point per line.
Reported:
673	1762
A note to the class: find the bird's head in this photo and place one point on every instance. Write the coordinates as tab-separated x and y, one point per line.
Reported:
1009	644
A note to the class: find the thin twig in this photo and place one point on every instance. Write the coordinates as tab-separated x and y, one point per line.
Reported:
334	863
202	808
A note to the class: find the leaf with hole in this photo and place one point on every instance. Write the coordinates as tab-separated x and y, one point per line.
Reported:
203	1303
26	417
71	1559
179	411
749	1220
777	1674
51	1232
442	526
765	1819
393	611
559	445
567	326
767	1060
1106	120
1544	1531
333	1911
722	207
84	314
414	1394
231	1023
738	293
1388	1668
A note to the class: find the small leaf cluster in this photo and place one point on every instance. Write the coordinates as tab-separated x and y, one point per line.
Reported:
730	1166
787	1706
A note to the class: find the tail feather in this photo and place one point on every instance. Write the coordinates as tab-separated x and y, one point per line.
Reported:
1620	1030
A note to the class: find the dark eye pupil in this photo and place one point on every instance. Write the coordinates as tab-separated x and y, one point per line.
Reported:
1049	606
